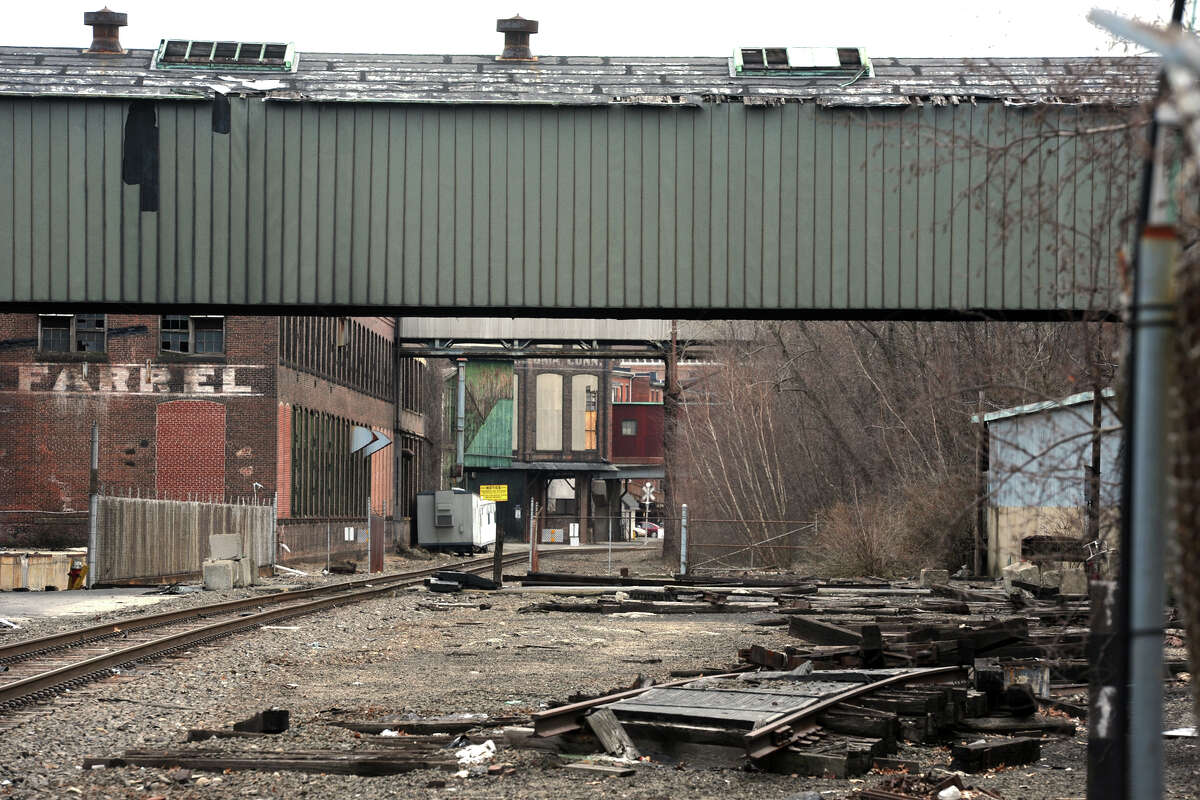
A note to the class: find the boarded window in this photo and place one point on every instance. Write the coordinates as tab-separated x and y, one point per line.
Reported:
549	412
583	412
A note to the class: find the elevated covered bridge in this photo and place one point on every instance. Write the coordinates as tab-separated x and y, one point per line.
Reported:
566	186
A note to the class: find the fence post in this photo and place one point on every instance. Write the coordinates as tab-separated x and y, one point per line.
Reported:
683	553
93	505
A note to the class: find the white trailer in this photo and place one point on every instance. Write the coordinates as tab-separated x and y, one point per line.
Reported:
455	520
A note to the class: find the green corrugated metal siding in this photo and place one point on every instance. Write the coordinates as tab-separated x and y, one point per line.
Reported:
725	209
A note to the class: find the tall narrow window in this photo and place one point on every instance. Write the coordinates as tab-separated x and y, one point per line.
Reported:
71	333
583	412
548	435
516	417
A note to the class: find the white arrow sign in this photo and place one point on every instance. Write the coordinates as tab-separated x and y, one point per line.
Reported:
367	441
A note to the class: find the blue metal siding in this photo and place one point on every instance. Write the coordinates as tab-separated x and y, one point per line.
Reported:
725	208
1039	459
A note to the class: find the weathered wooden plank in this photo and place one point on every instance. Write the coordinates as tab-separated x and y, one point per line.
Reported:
818	632
608	730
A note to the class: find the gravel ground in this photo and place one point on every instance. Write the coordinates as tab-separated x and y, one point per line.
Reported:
391	658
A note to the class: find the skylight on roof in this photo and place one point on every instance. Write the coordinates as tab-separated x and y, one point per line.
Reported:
257	56
837	62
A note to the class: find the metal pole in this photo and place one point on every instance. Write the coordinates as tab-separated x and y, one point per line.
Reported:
1153	321
610	541
327	546
532	533
93	506
683	553
461	419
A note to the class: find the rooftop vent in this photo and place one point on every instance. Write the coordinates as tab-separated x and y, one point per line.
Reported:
257	56
516	30
836	62
106	30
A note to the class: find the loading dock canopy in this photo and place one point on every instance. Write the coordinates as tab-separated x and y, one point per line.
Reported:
569	186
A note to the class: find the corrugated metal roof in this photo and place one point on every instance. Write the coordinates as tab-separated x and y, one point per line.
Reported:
1045	405
582	80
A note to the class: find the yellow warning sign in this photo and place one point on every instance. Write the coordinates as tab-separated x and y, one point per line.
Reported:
497	492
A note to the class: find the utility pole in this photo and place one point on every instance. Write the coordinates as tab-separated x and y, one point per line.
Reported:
671	398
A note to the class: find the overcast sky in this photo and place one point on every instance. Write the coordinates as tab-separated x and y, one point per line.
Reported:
608	27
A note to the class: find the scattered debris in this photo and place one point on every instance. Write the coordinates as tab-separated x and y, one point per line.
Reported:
272	720
290	571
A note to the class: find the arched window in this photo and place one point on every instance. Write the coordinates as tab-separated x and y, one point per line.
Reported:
548	435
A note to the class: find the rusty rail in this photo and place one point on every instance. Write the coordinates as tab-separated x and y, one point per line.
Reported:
46	684
769	739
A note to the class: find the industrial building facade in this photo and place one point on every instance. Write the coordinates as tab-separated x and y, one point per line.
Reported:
228	408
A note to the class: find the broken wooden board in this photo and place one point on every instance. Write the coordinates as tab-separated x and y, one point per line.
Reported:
608	730
818	632
601	769
338	762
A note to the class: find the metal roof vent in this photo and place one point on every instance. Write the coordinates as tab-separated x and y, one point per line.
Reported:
106	30
256	56
516	30
834	62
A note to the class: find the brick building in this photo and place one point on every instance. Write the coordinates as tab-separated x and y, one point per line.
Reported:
226	408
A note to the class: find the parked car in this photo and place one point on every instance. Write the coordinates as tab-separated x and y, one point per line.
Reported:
648	529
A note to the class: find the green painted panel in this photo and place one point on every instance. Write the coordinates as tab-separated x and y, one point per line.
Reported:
325	167
394	280
222	202
255	266
360	228
76	217
856	222
735	254
275	202
8	273
343	204
635	210
806	144
309	203
754	217
823	216
514	224
702	210
598	202
165	221
378	222
874	175
926	230
498	178
686	230
185	196
40	202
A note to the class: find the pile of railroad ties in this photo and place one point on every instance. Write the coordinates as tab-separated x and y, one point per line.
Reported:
877	670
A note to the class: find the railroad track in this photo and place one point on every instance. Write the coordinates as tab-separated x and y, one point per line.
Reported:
38	669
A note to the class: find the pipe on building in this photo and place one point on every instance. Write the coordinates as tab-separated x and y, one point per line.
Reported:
93	506
461	420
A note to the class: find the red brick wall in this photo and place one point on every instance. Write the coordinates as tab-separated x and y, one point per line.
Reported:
190	440
48	403
647	446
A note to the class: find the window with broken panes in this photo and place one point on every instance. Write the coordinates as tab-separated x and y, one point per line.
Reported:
71	333
179	333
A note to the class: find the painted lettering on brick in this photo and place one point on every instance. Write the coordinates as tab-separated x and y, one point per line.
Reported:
133	379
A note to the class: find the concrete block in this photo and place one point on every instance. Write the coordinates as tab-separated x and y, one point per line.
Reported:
935	577
218	575
1074	581
222	546
1021	571
1051	578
